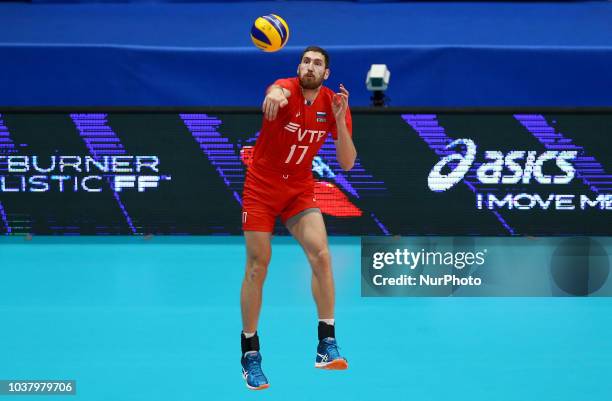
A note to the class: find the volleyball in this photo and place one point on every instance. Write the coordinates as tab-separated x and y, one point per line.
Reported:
270	33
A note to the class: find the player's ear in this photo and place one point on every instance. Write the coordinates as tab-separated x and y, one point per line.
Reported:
327	72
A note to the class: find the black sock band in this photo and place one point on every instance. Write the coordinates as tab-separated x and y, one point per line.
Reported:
326	330
249	344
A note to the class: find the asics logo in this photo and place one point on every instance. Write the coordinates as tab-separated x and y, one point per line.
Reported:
495	169
323	357
439	182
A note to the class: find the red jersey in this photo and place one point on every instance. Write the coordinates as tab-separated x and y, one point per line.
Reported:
289	143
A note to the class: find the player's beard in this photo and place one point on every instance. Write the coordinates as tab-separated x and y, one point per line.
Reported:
310	81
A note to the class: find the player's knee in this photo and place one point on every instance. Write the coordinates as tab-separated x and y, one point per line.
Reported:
320	260
257	267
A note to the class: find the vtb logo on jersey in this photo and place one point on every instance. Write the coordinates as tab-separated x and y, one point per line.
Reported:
292	127
307	135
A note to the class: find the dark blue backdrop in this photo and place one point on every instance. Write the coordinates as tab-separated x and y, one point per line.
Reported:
439	54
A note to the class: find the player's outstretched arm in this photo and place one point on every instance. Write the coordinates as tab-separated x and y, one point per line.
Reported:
276	98
345	149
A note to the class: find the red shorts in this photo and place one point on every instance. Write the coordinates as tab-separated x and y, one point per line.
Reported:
267	195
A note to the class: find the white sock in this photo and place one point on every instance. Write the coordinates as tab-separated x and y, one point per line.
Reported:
248	335
328	321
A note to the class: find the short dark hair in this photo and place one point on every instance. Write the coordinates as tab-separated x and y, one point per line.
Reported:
318	50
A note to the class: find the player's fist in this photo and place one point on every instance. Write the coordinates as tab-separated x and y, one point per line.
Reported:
274	100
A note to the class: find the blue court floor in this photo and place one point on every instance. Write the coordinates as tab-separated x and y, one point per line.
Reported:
159	319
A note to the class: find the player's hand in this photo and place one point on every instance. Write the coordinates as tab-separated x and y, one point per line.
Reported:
340	103
274	100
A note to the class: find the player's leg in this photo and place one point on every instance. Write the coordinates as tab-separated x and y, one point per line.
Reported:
258	217
259	252
308	228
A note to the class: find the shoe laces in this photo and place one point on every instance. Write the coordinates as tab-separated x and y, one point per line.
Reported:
332	349
254	366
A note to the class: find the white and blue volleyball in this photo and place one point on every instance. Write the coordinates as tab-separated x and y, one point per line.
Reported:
270	33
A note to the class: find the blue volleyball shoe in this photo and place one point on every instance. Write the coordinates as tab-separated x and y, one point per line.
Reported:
328	356
251	371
